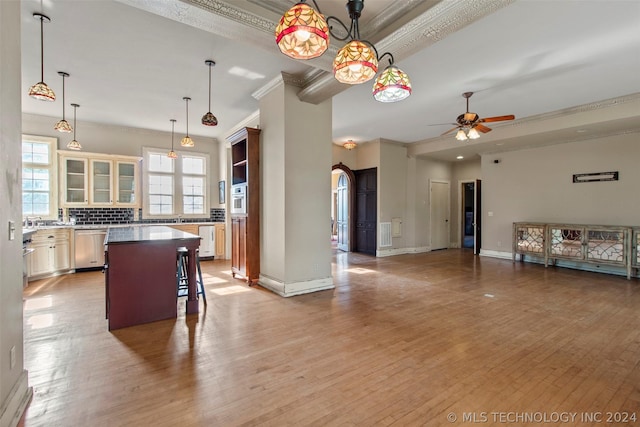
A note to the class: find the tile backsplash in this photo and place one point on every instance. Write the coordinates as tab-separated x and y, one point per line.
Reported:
90	216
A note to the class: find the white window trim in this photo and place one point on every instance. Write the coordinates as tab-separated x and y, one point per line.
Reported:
53	173
177	183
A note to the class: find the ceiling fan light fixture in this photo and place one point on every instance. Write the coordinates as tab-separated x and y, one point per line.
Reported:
461	136
40	90
209	119
392	85
355	63
473	134
350	145
302	33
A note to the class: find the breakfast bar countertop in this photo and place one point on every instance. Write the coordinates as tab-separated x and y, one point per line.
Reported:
150	233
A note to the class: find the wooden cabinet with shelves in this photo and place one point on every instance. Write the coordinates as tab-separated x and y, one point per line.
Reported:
245	216
51	252
91	179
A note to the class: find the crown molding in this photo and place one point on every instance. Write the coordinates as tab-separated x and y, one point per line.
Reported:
282	78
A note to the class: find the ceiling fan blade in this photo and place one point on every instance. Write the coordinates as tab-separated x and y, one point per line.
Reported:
497	118
450	130
482	128
442	124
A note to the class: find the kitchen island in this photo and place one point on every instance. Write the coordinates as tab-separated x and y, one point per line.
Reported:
140	274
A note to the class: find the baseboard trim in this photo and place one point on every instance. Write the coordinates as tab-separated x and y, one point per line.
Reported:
295	288
496	254
15	405
401	251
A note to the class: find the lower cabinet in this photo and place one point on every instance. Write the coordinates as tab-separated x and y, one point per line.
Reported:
51	252
220	241
207	241
239	246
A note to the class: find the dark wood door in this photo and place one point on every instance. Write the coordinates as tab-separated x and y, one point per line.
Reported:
238	245
366	210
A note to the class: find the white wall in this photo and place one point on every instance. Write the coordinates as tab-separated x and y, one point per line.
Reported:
126	141
536	185
392	188
13	380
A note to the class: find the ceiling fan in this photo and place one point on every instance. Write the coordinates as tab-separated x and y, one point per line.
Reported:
468	124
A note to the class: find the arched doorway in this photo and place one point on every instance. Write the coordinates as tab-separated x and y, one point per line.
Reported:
345	202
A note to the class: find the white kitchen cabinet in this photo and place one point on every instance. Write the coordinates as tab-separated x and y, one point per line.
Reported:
101	180
51	252
208	240
75	181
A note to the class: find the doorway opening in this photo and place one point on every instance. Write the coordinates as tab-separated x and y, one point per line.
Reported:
470	214
342	205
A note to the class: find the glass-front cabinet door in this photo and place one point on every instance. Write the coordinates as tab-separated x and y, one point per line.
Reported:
101	179
75	181
126	183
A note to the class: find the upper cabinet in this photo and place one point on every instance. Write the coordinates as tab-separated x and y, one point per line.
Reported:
101	180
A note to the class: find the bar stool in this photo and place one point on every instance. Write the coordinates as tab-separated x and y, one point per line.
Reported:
182	277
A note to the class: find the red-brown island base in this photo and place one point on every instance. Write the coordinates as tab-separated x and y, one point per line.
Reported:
140	274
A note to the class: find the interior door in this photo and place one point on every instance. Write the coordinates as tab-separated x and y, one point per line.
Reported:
366	210
477	217
439	201
343	213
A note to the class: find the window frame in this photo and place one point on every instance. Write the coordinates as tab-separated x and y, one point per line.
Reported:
51	166
177	175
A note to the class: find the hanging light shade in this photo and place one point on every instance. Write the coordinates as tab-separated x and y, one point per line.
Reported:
172	154
355	63
74	144
392	85
40	90
473	134
461	136
302	32
63	125
349	145
187	141
209	119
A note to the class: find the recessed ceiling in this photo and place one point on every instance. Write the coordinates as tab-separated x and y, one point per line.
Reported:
131	67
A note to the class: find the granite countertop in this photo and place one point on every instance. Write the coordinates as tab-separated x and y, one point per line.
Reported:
105	226
151	233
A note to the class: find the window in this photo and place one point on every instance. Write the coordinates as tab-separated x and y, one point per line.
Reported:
175	187
39	177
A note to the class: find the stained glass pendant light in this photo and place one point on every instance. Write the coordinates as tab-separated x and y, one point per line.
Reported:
40	90
172	154
187	141
302	32
74	144
63	125
392	85
209	119
355	63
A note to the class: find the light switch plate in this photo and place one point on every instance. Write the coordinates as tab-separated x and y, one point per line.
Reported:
12	230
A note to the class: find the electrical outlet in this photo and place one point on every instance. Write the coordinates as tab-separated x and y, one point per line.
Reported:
12	357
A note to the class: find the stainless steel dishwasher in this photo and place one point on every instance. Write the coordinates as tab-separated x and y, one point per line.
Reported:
89	248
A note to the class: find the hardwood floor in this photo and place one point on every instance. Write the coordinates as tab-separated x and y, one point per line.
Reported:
404	340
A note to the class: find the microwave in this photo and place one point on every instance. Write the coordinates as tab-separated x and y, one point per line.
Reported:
239	199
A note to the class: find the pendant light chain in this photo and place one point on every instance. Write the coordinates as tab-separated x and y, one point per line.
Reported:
42	48
187	102
63	103
209	88
74	121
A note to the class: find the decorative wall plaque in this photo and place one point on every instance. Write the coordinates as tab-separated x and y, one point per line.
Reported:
598	176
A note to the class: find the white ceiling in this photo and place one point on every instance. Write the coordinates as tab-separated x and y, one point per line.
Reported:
132	67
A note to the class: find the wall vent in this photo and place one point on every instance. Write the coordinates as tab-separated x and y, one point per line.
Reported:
385	234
